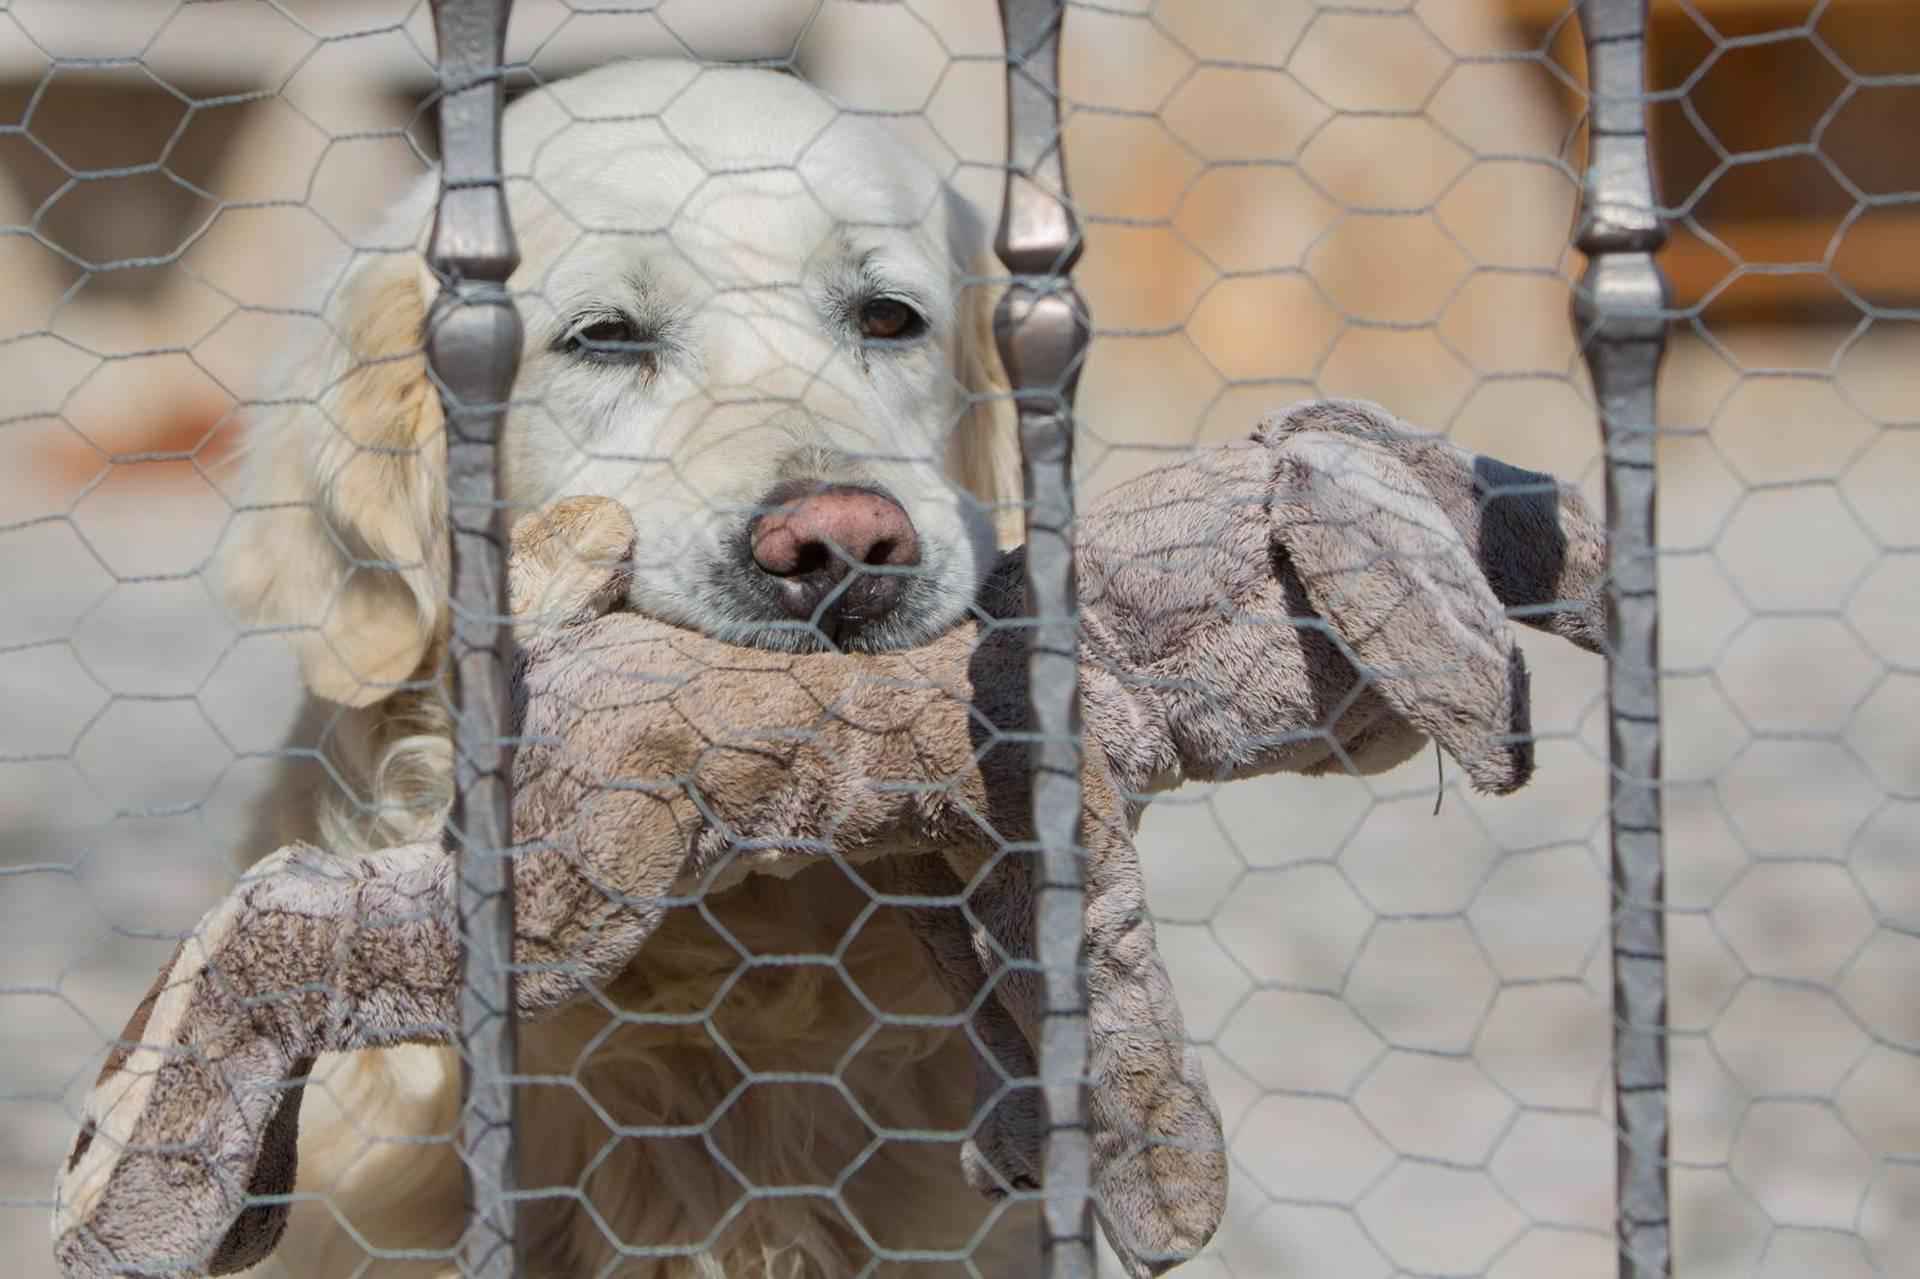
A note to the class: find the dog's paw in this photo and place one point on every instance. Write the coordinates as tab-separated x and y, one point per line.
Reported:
568	562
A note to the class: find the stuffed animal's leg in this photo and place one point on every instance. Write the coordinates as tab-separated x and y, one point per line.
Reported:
1159	1157
1002	1153
188	1138
1159	1153
192	1121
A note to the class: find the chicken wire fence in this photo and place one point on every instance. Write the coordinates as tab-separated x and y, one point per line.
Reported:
1438	1026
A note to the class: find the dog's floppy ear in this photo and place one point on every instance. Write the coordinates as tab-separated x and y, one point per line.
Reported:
983	453
339	535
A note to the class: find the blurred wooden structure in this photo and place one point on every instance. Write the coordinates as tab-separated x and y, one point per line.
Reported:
1785	134
241	144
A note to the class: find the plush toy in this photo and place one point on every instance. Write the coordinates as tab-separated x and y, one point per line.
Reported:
1323	598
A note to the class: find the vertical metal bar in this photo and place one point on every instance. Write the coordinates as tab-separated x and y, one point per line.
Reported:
1041	329
1620	313
473	349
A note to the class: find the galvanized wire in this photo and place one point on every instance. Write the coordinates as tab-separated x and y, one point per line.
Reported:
1684	961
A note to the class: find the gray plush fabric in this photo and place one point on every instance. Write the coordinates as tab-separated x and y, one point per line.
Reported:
1326	596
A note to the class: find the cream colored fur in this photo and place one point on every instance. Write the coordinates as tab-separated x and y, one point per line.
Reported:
342	542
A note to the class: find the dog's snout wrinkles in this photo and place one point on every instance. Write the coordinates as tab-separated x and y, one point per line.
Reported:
830	530
810	542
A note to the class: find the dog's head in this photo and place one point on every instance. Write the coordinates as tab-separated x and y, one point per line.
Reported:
753	320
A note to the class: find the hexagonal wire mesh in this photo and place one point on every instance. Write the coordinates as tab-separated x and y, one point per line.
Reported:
1404	1017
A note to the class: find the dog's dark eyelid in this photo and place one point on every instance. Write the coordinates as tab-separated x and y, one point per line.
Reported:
607	331
609	339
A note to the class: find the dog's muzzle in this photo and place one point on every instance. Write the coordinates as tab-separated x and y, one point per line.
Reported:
836	557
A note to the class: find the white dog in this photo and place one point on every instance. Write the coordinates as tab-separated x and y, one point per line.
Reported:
746	317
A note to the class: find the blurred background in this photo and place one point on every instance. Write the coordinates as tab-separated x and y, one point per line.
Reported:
1404	1015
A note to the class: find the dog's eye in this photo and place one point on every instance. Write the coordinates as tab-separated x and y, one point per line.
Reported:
605	333
890	320
610	339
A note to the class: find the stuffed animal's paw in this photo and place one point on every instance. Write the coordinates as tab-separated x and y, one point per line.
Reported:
568	562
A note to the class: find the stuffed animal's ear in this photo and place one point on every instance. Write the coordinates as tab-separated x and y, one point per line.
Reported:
1541	550
1402	593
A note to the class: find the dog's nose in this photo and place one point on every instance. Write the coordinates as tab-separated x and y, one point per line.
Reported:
831	530
811	539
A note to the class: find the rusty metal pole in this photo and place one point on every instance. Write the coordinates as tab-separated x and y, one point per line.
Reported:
1620	313
473	350
1042	332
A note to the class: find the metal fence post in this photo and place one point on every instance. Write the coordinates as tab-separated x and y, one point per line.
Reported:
1042	332
473	349
1619	312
